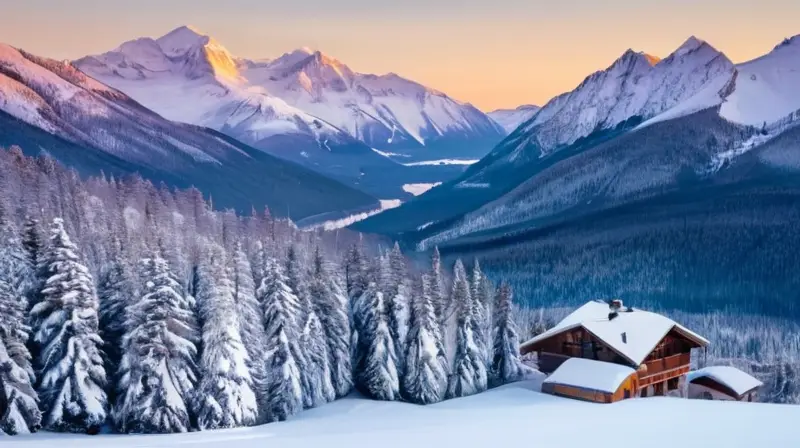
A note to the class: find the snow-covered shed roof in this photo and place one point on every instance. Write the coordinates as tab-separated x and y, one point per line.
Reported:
589	374
731	377
642	330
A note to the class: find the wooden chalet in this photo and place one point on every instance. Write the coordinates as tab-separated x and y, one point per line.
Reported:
722	383
655	347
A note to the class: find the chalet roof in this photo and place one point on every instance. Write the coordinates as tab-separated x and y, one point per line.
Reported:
731	377
642	330
589	374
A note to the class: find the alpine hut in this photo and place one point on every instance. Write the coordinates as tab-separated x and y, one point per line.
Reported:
652	351
723	383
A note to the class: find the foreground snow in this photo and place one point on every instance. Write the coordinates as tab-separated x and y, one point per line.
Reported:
509	416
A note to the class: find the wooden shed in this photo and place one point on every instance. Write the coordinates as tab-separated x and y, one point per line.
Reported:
657	348
723	383
588	380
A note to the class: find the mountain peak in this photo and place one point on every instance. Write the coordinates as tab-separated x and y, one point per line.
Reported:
691	44
182	39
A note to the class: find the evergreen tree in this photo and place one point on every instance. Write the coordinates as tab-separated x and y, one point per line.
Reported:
32	240
480	310
376	367
226	397
19	411
425	376
71	372
469	369
397	293
158	372
330	304
249	312
283	391
115	291
356	282
437	288
315	367
506	365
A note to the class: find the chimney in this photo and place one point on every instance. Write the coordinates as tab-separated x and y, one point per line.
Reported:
613	308
624	337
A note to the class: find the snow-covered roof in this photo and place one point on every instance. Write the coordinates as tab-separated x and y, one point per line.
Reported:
589	374
730	377
643	330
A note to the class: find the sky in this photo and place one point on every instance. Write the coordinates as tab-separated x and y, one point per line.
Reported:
491	53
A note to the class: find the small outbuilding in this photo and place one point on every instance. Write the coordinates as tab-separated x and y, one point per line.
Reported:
589	380
722	383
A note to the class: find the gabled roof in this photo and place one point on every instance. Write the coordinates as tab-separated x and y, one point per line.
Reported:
590	374
643	330
731	377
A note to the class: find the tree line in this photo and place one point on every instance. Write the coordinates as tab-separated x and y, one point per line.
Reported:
131	307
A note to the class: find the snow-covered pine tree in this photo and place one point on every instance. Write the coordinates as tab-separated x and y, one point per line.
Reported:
19	412
283	391
425	376
250	315
468	375
16	268
398	302
437	288
32	240
315	370
376	372
225	395
158	372
71	377
356	282
506	365
480	311
330	305
115	291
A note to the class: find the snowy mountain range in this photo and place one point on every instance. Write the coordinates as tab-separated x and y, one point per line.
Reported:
510	119
188	76
51	106
639	128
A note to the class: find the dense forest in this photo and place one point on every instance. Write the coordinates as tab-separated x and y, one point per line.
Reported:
134	308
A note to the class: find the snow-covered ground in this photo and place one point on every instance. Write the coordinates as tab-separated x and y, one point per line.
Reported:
442	162
418	189
511	416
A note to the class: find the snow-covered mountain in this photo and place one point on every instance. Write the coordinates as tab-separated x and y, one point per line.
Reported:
51	106
595	140
511	119
188	76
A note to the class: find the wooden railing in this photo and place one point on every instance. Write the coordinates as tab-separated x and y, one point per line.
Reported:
668	363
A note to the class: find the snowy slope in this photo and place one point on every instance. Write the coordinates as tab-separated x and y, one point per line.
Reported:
636	86
190	77
768	88
386	111
92	127
511	119
514	415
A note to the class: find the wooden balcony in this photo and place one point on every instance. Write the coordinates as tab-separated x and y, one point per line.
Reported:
664	369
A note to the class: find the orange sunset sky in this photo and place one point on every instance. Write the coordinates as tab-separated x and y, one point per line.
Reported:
492	53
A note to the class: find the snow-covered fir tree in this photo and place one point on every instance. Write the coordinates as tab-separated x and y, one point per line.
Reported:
468	375
315	370
71	374
283	391
115	291
376	373
425	375
32	240
249	313
19	407
225	395
330	304
397	296
506	365
158	372
437	288
480	310
356	283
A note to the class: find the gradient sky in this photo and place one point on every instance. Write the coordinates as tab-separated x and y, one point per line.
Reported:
492	53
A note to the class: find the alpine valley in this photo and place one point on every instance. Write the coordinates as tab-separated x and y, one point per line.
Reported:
648	170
